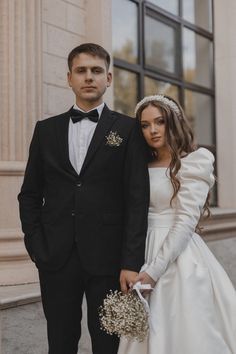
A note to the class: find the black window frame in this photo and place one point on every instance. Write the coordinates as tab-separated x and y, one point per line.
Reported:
177	78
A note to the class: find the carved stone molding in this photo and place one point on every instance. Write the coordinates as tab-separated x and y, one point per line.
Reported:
13	256
12	168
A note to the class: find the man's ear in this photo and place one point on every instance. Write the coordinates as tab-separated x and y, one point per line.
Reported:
69	78
109	79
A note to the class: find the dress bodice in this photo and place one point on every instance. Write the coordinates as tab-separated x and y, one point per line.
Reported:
161	191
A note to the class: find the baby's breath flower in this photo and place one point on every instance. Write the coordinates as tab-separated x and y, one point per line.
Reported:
124	315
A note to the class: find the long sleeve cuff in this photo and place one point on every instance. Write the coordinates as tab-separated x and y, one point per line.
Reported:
156	269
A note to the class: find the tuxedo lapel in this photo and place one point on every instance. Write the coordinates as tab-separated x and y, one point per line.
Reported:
104	124
62	127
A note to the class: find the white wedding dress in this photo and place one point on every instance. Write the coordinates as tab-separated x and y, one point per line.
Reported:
193	305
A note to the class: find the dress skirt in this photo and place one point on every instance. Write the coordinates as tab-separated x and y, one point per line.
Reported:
192	307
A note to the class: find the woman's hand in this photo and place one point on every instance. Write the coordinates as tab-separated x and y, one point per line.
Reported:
144	278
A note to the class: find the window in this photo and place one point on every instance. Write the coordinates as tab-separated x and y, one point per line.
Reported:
166	47
198	12
197	59
170	5
199	110
125	30
165	88
125	91
160	52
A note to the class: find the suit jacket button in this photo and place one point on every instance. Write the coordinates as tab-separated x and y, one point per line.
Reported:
72	213
79	184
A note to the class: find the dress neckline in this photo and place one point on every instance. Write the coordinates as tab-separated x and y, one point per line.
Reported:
157	167
182	158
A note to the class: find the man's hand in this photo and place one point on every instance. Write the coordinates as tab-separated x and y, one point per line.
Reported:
127	279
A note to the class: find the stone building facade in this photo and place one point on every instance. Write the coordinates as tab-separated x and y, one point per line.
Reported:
35	39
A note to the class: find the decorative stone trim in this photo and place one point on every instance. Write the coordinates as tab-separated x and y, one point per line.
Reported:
12	168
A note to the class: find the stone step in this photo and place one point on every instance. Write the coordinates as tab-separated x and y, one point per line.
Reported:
221	224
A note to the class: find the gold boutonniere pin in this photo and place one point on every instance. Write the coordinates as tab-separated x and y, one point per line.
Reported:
113	139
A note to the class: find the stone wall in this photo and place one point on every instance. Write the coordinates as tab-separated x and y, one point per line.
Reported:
63	28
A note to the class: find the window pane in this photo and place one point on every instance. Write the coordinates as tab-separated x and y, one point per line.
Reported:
170	5
125	91
156	87
199	12
198	108
197	58
125	27
160	50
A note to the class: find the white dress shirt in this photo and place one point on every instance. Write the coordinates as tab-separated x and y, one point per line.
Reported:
80	136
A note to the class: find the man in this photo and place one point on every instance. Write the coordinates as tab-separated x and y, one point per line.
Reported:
83	205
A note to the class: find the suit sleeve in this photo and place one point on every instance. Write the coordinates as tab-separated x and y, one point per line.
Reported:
136	187
31	194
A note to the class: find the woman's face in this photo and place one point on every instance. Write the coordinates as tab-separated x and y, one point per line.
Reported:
153	127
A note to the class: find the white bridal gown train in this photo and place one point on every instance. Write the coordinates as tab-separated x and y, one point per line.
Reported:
193	306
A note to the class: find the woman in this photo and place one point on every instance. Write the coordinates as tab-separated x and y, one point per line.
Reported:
193	303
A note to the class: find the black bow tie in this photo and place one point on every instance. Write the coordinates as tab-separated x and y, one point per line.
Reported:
77	115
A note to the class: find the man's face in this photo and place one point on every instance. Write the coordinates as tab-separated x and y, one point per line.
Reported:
89	79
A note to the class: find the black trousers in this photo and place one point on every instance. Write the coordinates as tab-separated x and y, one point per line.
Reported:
62	295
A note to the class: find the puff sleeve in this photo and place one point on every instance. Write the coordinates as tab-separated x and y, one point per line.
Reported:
196	178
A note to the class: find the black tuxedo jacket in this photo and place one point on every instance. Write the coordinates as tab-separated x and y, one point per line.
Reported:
103	210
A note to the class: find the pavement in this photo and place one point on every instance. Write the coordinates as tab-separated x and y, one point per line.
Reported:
23	326
24	331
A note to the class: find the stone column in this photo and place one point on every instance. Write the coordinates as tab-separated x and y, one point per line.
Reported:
225	75
20	108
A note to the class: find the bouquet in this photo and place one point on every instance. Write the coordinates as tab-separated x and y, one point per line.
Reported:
125	314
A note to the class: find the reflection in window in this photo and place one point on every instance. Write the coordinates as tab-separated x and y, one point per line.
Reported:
160	49
197	58
125	26
198	12
125	91
198	108
157	87
170	5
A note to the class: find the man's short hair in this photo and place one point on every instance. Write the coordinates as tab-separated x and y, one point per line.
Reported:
92	49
